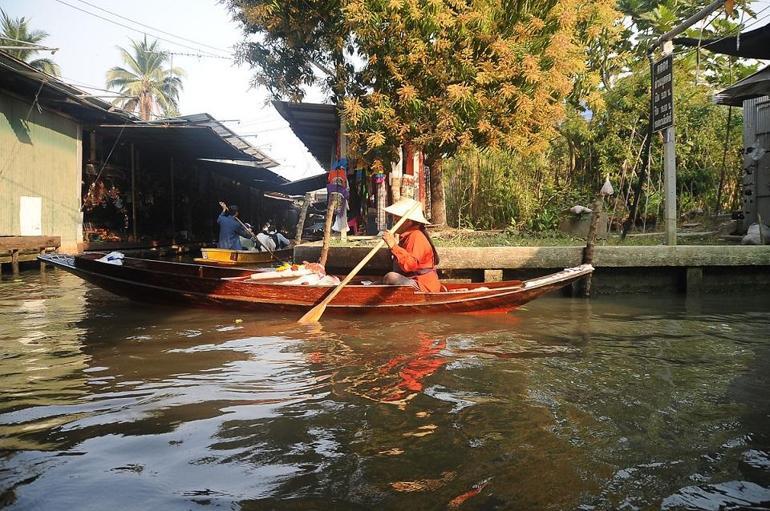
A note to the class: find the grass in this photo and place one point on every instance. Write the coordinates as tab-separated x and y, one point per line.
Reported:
468	238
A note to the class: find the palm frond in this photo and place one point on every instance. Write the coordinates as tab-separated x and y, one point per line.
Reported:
153	88
13	30
47	66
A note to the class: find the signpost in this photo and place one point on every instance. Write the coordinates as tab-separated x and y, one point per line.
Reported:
663	119
663	94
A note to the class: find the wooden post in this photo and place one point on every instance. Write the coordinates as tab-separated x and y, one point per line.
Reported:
173	202
42	263
694	280
133	193
588	251
333	200
302	216
15	261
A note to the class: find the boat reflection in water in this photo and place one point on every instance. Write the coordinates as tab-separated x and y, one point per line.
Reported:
567	403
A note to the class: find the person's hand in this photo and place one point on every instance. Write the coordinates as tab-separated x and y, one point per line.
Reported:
224	206
389	239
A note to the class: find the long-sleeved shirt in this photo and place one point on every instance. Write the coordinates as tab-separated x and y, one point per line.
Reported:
414	256
229	230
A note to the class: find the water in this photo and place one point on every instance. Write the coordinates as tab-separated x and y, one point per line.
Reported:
619	403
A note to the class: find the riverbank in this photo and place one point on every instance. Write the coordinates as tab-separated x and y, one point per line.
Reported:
619	269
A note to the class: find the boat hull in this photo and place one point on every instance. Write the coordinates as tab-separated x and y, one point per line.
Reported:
226	257
207	286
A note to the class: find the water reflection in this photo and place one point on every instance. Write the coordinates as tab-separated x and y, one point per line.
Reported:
633	403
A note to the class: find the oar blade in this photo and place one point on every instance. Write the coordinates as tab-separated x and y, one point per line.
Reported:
313	315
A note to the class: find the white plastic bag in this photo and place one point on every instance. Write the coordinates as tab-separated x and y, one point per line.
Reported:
112	258
607	189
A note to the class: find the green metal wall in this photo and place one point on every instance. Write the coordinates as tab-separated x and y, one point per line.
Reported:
41	157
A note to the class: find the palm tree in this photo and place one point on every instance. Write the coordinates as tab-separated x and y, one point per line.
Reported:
16	32
146	85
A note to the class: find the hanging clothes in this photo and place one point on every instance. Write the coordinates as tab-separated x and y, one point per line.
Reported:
382	200
337	182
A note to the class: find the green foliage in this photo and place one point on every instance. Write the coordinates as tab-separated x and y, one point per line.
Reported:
491	189
547	219
12	31
448	74
534	103
147	85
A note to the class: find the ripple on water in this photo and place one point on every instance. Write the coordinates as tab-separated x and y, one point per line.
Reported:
569	404
716	497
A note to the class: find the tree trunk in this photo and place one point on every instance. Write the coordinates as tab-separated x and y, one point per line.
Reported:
301	221
721	185
437	202
588	251
639	188
333	201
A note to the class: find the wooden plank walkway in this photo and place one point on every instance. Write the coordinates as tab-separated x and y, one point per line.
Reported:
17	249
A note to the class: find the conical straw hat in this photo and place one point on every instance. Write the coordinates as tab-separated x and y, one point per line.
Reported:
402	207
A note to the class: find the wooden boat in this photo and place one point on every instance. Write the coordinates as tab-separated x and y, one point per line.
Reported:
204	285
227	257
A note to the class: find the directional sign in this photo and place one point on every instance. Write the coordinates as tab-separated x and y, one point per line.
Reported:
663	94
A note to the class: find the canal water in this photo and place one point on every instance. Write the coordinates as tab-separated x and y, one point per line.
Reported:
646	402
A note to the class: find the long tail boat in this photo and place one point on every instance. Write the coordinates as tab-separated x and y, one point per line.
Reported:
204	285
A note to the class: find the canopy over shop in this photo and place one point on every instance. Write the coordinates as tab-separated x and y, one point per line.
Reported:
96	176
152	183
753	95
365	191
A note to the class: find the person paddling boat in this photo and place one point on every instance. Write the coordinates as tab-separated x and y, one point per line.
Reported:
230	228
414	254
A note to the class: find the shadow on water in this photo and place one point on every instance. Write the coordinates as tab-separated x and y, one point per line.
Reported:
614	403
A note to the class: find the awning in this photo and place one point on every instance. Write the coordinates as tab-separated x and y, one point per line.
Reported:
192	141
754	44
315	124
26	82
248	173
230	137
302	186
754	86
252	174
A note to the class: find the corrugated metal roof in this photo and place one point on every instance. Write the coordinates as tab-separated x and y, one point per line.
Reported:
194	141
754	44
753	86
251	172
315	124
23	80
231	137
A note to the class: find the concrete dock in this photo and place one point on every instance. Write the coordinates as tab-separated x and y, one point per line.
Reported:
633	269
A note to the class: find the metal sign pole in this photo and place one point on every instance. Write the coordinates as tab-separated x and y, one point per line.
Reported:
663	120
669	182
663	111
669	167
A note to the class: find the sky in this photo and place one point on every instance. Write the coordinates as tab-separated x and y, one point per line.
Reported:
88	48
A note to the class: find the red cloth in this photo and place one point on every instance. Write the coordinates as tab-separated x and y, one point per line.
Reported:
414	252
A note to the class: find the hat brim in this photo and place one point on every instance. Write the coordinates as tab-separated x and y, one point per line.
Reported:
415	216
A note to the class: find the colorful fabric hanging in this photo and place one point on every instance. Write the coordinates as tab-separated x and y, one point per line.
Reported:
382	199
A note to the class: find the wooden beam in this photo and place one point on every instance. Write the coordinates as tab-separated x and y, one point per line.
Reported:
26	243
133	192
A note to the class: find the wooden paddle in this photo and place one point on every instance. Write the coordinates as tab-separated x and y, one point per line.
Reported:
314	314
